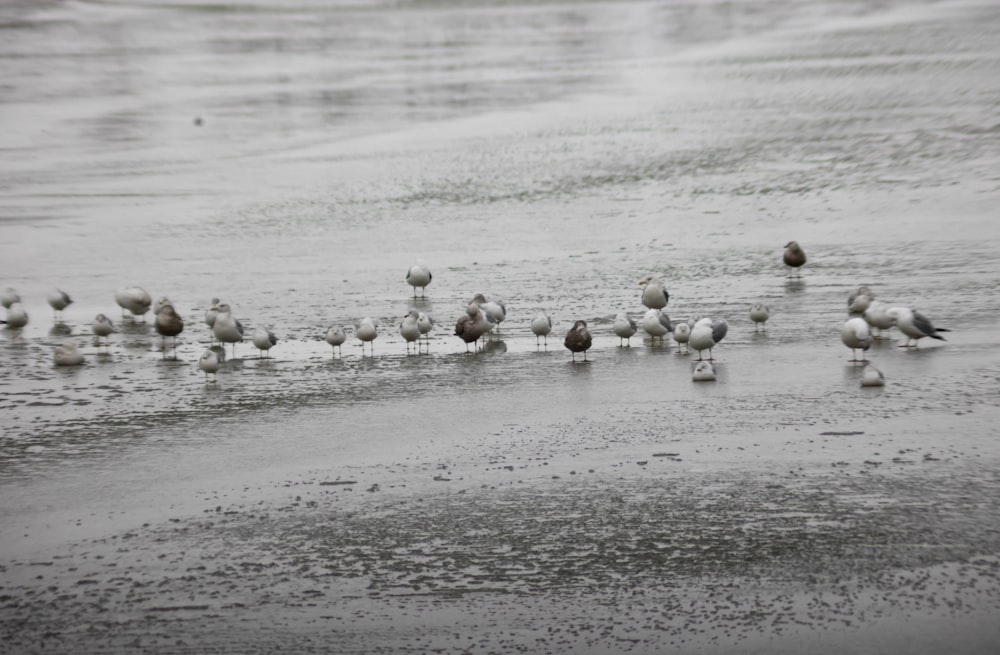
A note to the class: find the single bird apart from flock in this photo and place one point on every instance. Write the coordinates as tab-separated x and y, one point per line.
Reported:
58	301
68	354
470	327
703	372
134	300
102	327
706	334
419	276
366	331
541	326
578	339
263	340
656	324
654	294
794	257
336	336
855	335
872	377
914	325
168	323
624	328
759	313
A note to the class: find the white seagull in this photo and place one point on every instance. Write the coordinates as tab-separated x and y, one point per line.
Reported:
419	276
703	372
58	301
654	296
541	326
656	324
872	377
367	332
409	330
706	334
854	333
426	325
682	332
624	328
68	354
17	318
914	325
9	297
859	301
133	299
209	362
759	313
226	328
263	340
335	336
877	316
102	327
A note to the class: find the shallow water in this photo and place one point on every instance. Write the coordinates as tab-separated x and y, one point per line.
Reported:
295	158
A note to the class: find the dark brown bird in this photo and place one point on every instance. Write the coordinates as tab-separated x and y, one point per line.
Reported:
471	326
794	257
578	339
168	324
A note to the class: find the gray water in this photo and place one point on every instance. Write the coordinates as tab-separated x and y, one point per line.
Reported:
295	158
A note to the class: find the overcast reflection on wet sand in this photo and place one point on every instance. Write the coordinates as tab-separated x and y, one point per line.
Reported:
293	159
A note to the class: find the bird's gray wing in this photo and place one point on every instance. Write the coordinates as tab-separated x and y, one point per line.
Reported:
719	330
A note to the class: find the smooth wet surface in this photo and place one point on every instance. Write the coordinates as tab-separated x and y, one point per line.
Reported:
294	159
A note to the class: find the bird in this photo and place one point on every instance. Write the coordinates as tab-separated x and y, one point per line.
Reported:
135	300
914	325
654	296
877	316
210	314
102	327
58	301
263	339
656	324
17	318
68	354
471	326
335	336
541	326
419	275
226	328
703	372
366	331
872	377
706	334
168	323
160	303
578	339
759	313
209	362
624	327
859	301
495	310
854	333
409	329
9	297
794	257
682	332
425	324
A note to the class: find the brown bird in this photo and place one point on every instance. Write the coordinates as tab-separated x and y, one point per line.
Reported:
471	326
168	324
794	257
578	339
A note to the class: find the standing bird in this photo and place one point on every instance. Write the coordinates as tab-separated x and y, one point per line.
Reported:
872	377
162	302
58	301
854	333
682	333
102	327
409	330
706	334
263	339
367	332
495	310
168	323
226	328
654	296
656	324
914	325
541	326
877	316
624	327
17	318
336	337
209	362
859	301
210	315
759	313
578	339
794	257
426	325
471	326
9	297
703	372
419	276
68	354
135	300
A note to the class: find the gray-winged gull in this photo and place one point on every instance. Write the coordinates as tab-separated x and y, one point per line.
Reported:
420	276
654	295
914	325
367	332
706	334
624	327
336	337
759	313
58	301
263	340
541	326
703	372
656	324
872	377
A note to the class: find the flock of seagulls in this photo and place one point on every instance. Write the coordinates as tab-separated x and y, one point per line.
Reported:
868	320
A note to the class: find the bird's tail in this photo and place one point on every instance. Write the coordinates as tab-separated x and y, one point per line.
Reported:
942	329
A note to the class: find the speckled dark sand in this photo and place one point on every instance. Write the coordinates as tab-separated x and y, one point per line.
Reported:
295	158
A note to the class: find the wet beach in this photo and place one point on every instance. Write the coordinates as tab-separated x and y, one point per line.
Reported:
295	158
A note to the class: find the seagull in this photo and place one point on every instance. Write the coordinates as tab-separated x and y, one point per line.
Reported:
68	354
654	296
625	328
877	316
409	329
578	339
703	372
9	297
58	300
263	339
914	325
17	318
168	323
859	301
209	362
855	335
541	325
682	332
794	257
426	325
419	276
366	331
102	327
471	326
210	315
226	328
494	310
706	334
656	324
759	313
335	336
162	302
872	377
133	299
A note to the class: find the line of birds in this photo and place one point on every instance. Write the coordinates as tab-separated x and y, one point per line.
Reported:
483	317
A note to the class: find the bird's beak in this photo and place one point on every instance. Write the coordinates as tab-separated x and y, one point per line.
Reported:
642	282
